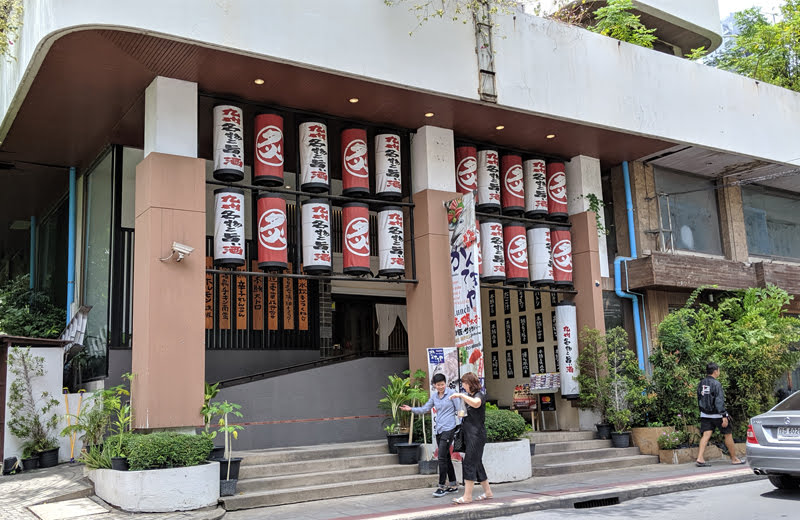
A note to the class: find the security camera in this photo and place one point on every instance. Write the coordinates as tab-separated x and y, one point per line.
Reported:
182	250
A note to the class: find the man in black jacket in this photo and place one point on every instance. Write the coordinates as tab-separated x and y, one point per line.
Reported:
711	400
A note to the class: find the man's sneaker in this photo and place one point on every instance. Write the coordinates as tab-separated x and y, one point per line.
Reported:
452	489
440	492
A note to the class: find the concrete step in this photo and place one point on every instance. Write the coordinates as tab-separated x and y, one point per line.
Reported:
303	453
312	466
590	454
548	470
323	477
561	447
545	437
331	490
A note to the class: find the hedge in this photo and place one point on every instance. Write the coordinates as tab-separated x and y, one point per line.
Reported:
167	450
503	425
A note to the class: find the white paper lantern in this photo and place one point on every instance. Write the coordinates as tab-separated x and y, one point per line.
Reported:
229	243
314	174
488	193
390	242
388	184
493	267
316	236
567	333
535	173
540	257
228	143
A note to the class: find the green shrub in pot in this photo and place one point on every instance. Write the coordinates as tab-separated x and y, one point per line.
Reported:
167	450
503	425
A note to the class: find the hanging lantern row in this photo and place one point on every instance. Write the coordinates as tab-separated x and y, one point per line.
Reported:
269	155
509	253
229	239
532	187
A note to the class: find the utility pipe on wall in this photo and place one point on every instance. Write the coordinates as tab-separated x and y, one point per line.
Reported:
32	270
637	326
71	244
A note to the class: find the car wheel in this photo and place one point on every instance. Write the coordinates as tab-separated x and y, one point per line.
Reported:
784	482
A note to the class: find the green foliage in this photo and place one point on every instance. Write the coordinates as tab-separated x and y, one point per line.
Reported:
745	334
167	450
765	51
592	371
24	312
395	394
209	409
672	440
616	20
31	418
92	421
697	54
95	458
503	425
119	444
417	428
224	409
11	12
596	206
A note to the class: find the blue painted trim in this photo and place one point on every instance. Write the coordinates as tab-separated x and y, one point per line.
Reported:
71	243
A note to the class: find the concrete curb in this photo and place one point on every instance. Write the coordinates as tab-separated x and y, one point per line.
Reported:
525	503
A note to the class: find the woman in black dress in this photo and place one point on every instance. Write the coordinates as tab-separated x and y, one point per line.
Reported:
474	439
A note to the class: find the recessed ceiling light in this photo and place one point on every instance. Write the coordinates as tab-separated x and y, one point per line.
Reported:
353	100
499	127
550	136
429	114
258	81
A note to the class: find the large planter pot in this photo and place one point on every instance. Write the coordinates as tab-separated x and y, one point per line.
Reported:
120	464
30	463
227	488
620	439
408	452
223	468
393	439
159	490
603	431
428	467
217	452
504	461
646	439
48	458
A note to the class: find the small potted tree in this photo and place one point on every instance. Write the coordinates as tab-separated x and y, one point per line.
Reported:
408	452
626	386
395	394
593	378
229	466
209	411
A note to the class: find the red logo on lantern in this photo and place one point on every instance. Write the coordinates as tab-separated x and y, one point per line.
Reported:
562	255
467	174
357	236
271	230
518	252
513	181
557	187
355	158
269	146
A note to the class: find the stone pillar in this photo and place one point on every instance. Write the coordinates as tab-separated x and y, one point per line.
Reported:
168	357
429	304
583	179
731	218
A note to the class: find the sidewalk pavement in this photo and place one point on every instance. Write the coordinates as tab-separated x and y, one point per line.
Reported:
71	496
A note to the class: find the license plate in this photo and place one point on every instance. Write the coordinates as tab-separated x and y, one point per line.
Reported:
792	432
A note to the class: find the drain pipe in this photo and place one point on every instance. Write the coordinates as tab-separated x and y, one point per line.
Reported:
32	270
71	244
637	326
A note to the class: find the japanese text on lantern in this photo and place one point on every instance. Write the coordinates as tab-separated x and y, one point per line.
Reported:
568	349
231	218
317	143
392	153
321	233
231	128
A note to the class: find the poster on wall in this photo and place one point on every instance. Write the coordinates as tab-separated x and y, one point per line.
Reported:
523	329
510	364
547	382
568	349
540	360
493	333
495	365
506	301
526	367
444	361
521	301
537	299
492	303
523	398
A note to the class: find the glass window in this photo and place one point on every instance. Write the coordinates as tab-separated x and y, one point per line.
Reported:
772	223
51	270
689	208
97	263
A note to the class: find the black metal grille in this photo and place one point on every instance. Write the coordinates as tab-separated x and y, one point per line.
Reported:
601	502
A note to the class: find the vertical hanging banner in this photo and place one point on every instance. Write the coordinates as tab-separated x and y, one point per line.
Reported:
556	190
523	329
316	236
355	249
510	364
272	238
493	254
390	242
272	303
224	301
492	303
541	365
257	300
302	304
535	174
387	167
562	255
228	227
512	189
355	163
567	327
526	367
540	257
466	169
509	332
241	300
228	143
516	254
209	294
288	302
466	286
314	157
495	365
269	150
493	334
488	192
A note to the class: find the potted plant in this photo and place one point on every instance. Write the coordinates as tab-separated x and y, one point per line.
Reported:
92	421
115	445
30	457
395	394
209	411
592	378
229	466
408	452
506	454
32	417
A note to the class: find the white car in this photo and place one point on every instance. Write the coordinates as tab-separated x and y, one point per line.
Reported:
773	443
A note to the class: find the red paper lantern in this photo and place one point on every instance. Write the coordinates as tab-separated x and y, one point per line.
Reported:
229	243
316	236
562	255
516	254
466	169
355	238
556	190
540	256
390	241
492	251
388	183
314	175
355	168
271	232
534	171
512	190
488	193
228	143
269	150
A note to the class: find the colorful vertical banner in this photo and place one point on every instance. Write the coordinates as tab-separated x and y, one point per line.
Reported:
567	327
556	190
257	302
466	169
271	230
534	172
355	162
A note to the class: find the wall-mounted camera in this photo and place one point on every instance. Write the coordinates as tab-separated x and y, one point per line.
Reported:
181	249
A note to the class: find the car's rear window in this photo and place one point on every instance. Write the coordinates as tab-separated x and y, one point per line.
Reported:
790	403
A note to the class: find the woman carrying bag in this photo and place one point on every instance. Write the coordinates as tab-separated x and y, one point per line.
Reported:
474	432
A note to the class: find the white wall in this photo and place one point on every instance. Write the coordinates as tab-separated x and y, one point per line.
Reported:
699	16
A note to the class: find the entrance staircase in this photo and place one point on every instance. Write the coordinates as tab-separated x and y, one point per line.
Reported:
289	475
560	453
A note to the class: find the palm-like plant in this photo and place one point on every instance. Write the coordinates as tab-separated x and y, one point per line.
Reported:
395	395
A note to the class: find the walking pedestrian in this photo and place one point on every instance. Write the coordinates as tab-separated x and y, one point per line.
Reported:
445	427
474	431
711	400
